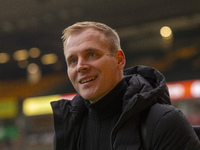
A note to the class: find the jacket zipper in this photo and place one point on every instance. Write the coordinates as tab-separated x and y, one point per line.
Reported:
111	135
95	144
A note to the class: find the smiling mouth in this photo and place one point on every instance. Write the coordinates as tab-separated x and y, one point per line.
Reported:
88	80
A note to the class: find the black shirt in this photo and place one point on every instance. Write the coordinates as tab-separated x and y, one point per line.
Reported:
100	118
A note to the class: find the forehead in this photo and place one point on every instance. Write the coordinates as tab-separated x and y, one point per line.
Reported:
86	39
87	34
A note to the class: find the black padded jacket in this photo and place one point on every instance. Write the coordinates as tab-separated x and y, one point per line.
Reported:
166	127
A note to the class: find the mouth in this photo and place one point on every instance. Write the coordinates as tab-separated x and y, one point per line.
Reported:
88	79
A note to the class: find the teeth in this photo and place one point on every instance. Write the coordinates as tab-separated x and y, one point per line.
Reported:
88	79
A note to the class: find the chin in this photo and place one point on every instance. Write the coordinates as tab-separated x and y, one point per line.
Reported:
89	98
86	96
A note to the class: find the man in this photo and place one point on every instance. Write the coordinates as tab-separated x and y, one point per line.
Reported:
111	104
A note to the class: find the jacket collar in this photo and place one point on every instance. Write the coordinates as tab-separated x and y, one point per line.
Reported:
111	103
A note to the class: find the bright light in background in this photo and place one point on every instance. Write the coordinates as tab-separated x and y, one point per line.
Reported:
176	90
33	73
32	68
4	58
166	32
48	59
195	89
39	105
34	52
21	55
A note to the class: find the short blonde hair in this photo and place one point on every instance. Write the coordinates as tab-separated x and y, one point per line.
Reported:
112	38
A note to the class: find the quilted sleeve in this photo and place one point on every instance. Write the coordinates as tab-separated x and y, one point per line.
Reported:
174	132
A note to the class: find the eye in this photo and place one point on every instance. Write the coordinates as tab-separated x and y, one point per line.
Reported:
91	55
71	62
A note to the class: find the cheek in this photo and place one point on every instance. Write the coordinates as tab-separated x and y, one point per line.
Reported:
70	75
108	75
109	68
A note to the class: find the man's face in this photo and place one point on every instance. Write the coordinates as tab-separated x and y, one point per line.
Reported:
92	69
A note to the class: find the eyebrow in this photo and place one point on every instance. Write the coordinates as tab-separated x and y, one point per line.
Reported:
69	57
86	50
91	49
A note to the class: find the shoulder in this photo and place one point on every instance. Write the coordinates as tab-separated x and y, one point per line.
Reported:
58	106
164	116
159	110
168	127
63	107
157	115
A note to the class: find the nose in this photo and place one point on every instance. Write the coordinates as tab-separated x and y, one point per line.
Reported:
82	66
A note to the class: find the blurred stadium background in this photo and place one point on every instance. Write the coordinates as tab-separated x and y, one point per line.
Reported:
160	34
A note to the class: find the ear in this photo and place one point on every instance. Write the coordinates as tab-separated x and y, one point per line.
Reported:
120	57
